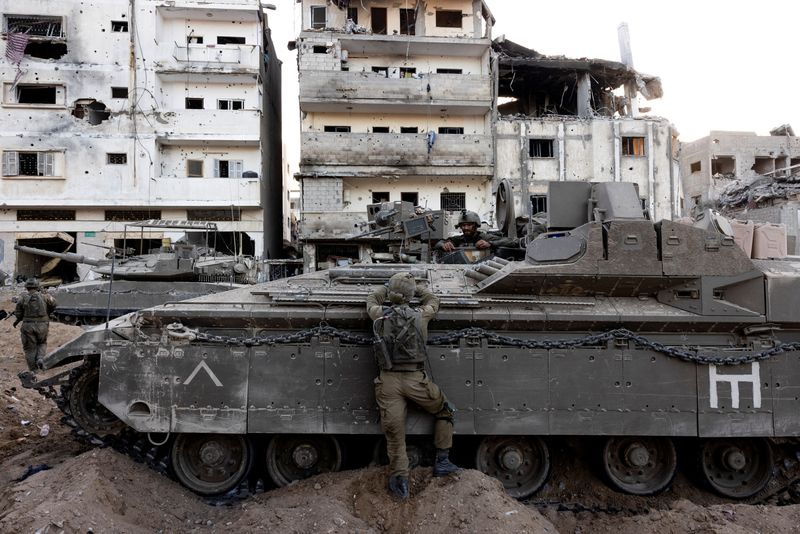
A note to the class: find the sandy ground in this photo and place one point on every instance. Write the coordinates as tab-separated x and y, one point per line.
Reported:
99	490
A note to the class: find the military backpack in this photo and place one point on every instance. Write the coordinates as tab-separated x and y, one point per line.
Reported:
399	337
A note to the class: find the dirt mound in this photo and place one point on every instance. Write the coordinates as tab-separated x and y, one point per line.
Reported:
104	491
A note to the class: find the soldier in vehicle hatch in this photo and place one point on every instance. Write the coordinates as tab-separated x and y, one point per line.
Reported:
33	310
469	222
401	334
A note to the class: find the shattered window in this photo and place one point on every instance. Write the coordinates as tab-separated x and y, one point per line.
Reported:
232	214
453	201
119	92
319	16
410	196
194	39
538	204
408	19
407	72
724	165
695	167
380	196
633	146
446	18
541	148
451	130
132	215
36	94
319	49
34	26
119	26
117	158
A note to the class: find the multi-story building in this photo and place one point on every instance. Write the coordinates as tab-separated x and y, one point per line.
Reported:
396	103
559	119
746	175
137	109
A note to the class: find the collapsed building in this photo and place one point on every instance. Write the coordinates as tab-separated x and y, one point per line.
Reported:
125	110
563	119
746	176
417	103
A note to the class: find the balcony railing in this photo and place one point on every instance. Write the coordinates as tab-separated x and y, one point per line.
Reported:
172	190
325	90
395	150
244	56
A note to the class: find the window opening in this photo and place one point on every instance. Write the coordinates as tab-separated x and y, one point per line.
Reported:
633	146
407	72
194	168
36	94
380	129
228	168
119	92
408	19
320	49
46	34
449	71
724	165
220	214
45	215
230	104
194	103
132	215
453	201
446	18
410	196
378	15
541	148
28	163
381	70
538	204
117	158
227	39
451	130
319	15
194	39
695	167
409	129
119	26
352	14
380	196
337	129
91	110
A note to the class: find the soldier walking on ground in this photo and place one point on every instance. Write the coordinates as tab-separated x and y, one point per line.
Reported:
33	310
403	333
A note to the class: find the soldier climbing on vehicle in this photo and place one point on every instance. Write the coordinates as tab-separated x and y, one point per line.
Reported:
401	333
33	311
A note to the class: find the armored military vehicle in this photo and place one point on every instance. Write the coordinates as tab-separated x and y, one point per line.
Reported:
170	273
612	328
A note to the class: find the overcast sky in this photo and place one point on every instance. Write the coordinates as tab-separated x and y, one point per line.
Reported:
724	65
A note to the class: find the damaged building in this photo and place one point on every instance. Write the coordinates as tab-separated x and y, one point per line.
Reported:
123	110
396	103
418	103
746	176
563	119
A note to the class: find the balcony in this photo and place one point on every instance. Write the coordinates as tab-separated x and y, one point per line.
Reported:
331	91
239	58
194	123
205	192
395	154
389	45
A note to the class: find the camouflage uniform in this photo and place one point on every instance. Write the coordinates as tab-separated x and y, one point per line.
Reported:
33	309
409	382
463	241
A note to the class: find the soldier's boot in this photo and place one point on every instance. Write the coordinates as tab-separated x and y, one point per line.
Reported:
443	465
398	486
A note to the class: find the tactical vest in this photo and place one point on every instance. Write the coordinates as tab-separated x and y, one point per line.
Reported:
401	339
34	306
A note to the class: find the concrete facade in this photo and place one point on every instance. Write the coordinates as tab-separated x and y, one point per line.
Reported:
125	110
371	98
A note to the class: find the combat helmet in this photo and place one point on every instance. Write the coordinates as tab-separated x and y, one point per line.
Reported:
31	283
468	217
401	288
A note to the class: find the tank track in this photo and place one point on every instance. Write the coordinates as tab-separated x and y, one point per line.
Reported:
783	488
